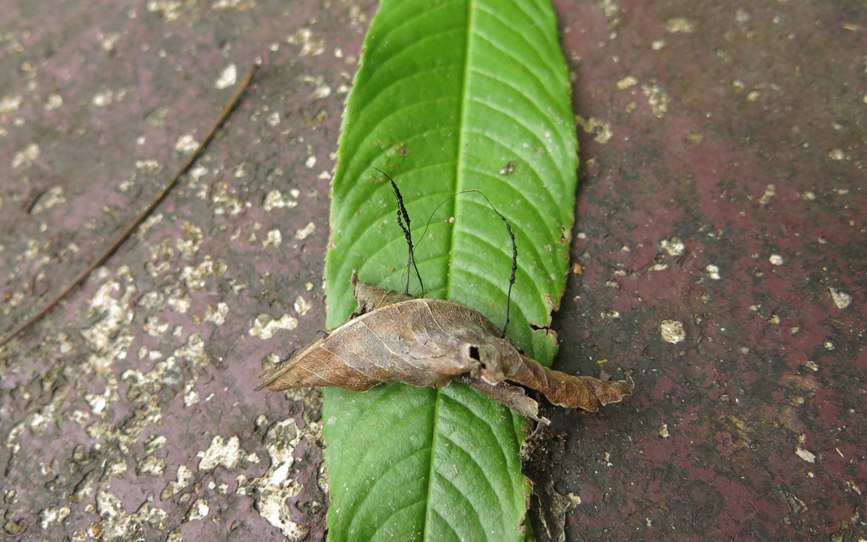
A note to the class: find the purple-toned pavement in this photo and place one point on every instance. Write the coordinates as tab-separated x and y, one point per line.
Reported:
719	255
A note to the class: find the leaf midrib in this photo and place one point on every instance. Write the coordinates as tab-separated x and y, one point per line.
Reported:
448	285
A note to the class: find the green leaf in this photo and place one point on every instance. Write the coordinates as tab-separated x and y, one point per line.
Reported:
448	94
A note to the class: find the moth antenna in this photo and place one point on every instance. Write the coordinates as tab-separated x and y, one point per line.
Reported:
511	236
403	222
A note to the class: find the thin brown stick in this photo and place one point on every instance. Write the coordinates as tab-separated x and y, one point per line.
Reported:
233	102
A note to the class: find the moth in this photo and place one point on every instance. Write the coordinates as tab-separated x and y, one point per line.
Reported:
395	337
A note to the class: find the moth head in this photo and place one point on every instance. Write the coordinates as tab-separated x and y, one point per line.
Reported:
485	358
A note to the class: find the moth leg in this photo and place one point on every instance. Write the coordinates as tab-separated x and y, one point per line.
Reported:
508	394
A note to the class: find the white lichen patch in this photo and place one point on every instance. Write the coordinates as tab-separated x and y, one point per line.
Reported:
306	231
191	396
79	417
712	271
53	197
194	277
321	89
31	251
199	510
230	4
155	326
183	477
301	306
227	78
770	191
194	351
146	412
264	326
97	401
626	82
10	103
160	259
277	200
148	166
186	144
609	7
38	421
216	314
272	238
600	129
53	515
189	244
657	99
272	506
154	301
25	156
673	246
179	300
672	331
311	45
679	25
108	41
150	466
836	154
144	388
102	98
155	443
117	525
275	486
841	299
103	336
196	175
240	170
221	453
776	259
223	202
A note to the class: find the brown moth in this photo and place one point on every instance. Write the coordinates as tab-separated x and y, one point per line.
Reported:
394	337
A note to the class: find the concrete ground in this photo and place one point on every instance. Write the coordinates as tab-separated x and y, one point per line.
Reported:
720	250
